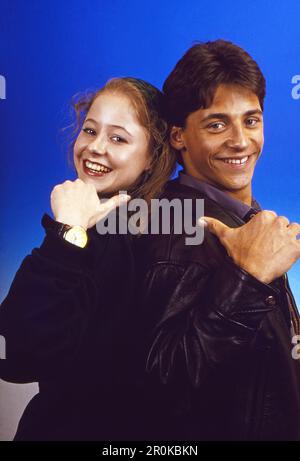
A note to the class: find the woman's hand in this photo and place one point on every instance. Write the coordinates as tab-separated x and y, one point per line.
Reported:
77	204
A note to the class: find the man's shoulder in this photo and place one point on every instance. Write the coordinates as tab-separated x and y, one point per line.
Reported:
175	190
182	243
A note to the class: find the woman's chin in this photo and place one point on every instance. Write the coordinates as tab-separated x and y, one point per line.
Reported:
100	188
106	191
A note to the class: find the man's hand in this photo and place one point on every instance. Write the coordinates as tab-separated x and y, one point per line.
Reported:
77	203
266	246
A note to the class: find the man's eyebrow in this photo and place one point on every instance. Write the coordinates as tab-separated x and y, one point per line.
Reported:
254	112
224	116
112	126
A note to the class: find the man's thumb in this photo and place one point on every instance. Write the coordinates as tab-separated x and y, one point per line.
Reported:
215	226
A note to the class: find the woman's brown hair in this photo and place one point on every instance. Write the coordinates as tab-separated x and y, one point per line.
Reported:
147	102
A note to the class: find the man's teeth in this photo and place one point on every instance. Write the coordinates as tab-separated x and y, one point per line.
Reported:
97	167
235	160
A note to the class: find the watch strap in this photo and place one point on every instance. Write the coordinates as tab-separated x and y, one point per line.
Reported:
55	227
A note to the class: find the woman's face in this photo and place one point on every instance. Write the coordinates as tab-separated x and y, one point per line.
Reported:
112	148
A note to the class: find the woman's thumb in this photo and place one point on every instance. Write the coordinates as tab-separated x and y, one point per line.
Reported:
106	207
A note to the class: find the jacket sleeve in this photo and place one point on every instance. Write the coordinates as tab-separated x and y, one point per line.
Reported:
46	312
202	316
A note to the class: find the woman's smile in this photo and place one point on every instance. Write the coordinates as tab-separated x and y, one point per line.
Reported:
92	168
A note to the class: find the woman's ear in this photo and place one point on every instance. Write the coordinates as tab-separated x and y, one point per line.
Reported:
176	138
148	165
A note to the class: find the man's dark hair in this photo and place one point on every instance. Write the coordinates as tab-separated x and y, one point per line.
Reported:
192	83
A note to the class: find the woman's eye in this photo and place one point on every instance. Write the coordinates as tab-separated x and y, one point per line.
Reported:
89	131
117	139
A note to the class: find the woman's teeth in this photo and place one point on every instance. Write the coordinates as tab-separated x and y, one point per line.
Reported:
97	167
235	160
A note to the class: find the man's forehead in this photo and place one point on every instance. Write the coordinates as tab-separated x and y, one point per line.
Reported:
232	100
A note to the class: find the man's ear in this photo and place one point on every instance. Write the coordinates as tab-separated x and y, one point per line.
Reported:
177	138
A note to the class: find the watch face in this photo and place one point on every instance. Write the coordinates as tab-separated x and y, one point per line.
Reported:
77	236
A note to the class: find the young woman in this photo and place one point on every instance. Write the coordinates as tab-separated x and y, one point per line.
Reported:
69	317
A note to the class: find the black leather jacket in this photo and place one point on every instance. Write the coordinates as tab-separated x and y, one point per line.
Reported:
219	362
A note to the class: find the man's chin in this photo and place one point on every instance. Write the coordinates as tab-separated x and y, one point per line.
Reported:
234	186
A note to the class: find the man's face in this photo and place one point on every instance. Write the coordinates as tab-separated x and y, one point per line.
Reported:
221	144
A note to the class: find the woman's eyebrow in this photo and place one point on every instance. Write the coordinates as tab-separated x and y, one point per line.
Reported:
121	127
111	126
90	120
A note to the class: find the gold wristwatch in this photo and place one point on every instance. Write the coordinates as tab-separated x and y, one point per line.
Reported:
76	235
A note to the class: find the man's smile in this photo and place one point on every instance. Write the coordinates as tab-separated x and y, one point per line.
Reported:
236	162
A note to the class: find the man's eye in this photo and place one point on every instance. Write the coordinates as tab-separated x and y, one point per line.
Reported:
117	139
252	121
217	126
89	131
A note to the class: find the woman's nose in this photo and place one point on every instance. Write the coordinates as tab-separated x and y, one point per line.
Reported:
98	146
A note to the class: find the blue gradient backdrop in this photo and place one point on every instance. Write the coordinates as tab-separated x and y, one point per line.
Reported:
50	50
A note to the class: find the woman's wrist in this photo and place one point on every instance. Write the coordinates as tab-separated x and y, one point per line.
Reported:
72	221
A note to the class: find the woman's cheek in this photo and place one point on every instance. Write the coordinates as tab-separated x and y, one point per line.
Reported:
123	156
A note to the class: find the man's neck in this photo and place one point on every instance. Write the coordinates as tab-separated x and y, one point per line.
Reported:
243	195
229	202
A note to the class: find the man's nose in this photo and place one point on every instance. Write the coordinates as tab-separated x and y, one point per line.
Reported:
238	139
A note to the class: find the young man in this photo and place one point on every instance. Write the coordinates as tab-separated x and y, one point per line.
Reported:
221	314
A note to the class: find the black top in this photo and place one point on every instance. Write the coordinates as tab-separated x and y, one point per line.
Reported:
68	321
